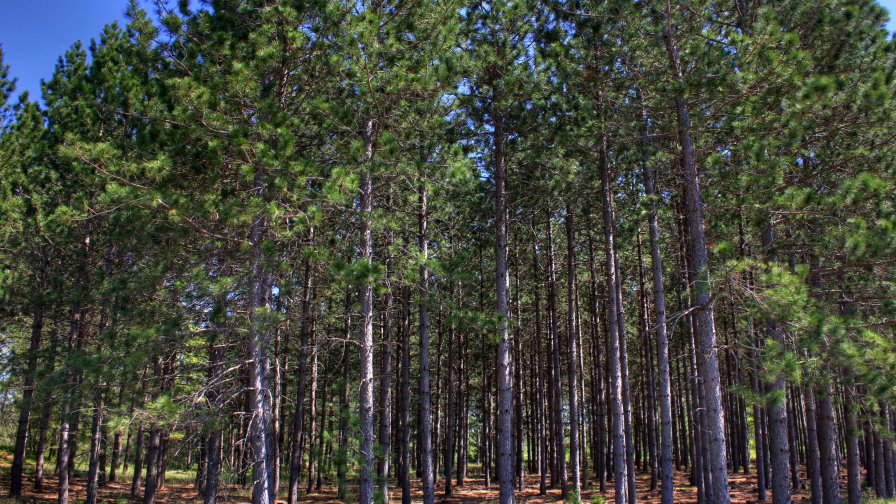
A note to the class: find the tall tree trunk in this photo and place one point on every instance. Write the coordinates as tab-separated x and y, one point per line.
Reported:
18	459
212	466
342	455
95	442
295	466
620	466
541	395
426	449
659	300
450	415
853	471
827	446
626	389
116	441
385	434
758	427
312	406
554	336
504	356
263	491
572	355
404	470
152	464
777	404
41	447
365	402
213	436
712	406
63	453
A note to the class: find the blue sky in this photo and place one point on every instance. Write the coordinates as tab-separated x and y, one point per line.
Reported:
34	33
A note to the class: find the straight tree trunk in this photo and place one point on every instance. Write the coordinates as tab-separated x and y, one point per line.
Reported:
758	428
541	396
714	414
554	336
263	491
41	448
385	434
116	442
813	468
312	413
295	466
659	299
450	416
777	404
853	470
614	357
426	449
504	356
829	460
95	442
572	355
342	454
365	401
404	469
18	460
152	465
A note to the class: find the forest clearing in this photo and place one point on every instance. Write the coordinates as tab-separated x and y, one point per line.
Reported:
428	251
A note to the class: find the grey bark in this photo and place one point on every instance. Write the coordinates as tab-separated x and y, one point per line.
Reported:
404	467
829	461
662	340
777	404
853	470
385	434
813	468
572	355
450	415
425	392
95	442
365	401
714	413
263	491
613	357
554	338
504	355
18	461
295	466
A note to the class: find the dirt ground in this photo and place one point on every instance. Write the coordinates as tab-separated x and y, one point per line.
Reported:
743	491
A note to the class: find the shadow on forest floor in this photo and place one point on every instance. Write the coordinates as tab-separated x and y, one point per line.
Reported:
743	491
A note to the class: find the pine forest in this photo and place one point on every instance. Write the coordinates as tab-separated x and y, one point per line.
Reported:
510	251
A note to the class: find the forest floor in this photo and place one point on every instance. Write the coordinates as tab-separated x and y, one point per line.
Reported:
743	491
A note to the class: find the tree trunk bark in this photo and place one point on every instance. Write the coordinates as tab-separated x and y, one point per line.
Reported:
777	403
152	465
95	442
450	415
659	301
829	461
554	335
712	407
572	356
614	358
385	434
504	356
853	470
263	491
295	466
813	468
404	470
365	401
426	449
18	460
